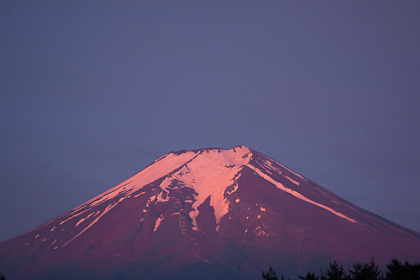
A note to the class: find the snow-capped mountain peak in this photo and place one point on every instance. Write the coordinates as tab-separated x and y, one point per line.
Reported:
232	210
209	174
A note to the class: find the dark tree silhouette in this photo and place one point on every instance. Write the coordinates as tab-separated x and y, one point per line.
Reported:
399	271
2	277
366	271
271	275
309	276
334	272
361	271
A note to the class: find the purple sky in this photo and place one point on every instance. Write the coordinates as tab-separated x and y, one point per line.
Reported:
91	92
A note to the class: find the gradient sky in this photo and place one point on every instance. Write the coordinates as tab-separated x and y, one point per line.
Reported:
91	92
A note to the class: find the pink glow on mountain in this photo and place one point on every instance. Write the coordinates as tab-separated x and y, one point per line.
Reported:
227	208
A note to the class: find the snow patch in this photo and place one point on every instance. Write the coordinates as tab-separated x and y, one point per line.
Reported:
235	187
158	222
37	235
164	186
293	181
152	198
160	197
260	232
262	209
237	200
71	217
83	219
137	195
268	167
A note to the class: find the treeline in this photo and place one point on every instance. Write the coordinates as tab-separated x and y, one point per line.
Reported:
359	271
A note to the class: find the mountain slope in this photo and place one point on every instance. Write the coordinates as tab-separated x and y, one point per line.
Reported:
212	213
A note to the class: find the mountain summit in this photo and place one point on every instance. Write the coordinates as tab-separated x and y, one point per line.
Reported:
209	214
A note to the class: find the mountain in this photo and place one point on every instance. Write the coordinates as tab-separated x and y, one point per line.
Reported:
206	214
